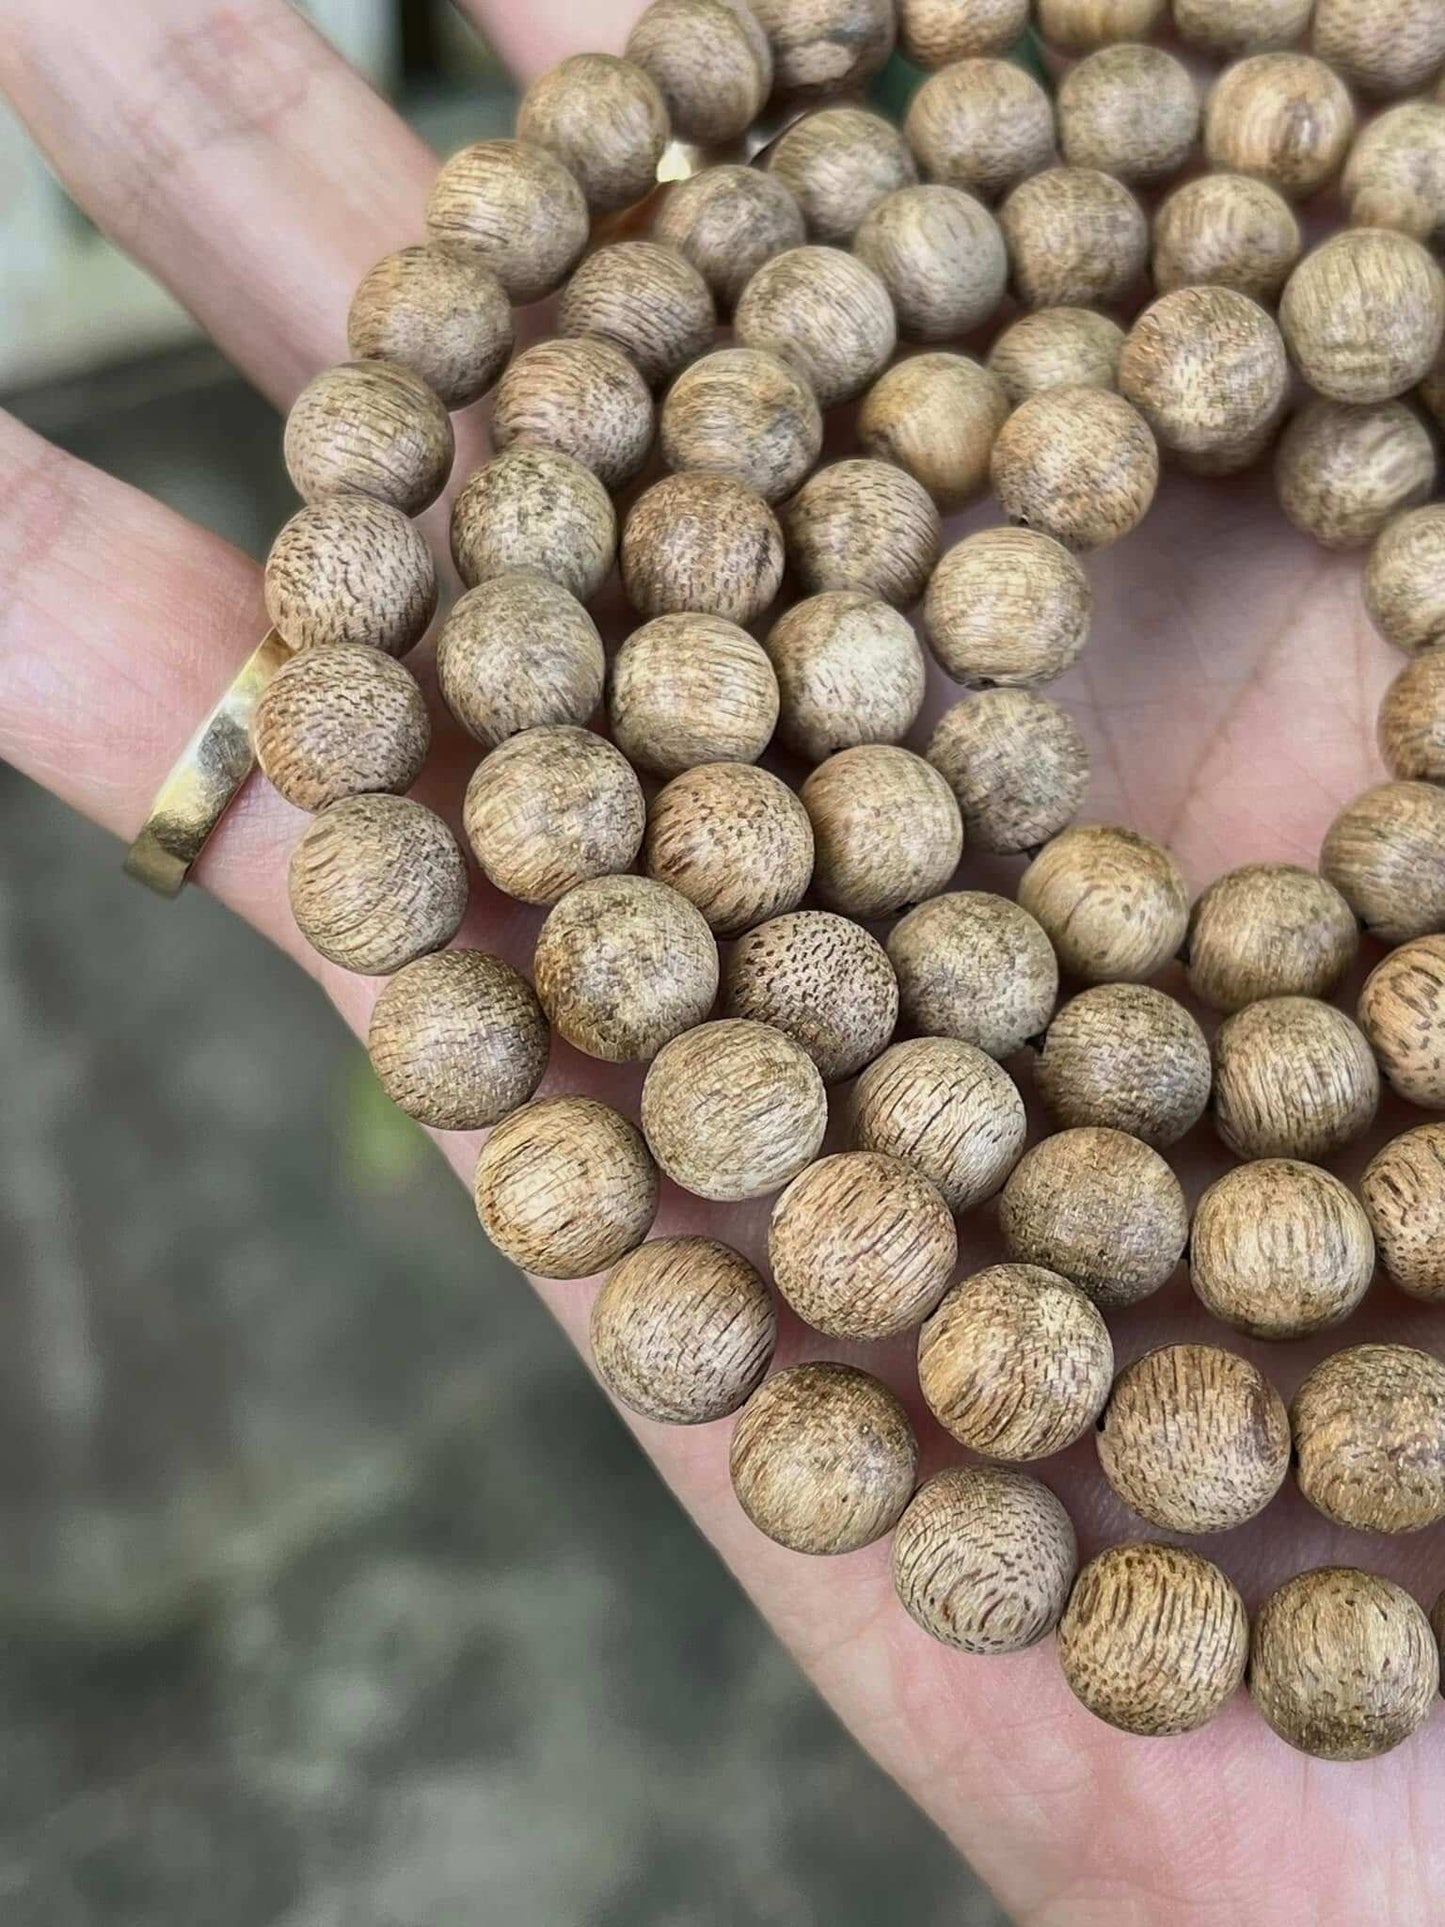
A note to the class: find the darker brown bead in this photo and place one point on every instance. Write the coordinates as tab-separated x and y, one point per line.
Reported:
1363	314
941	257
946	1109
840	163
1283	118
863	525
1405	580
339	722
823	47
1129	110
824	311
564	1187
376	882
1206	368
351	570
704	544
550	808
1269	930
1293	1077
1057	348
532	508
727	221
646	300
974	966
886	830
733	840
1412	720
849	671
981	125
369	428
519	652
821	980
691	689
1078	464
1114	904
1018	765
1227	231
458	1040
1404	1193
517	208
440	311
1402	1012
1126	1058
733	1109
711	62
582	398
1076	238
936	417
605	120
745	414
1280	1249
1369	1433
1385	854
1007	606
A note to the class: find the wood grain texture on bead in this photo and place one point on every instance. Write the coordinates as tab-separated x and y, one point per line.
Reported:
1385	854
1228	231
1283	118
533	508
1363	314
935	416
1395	175
340	722
1077	464
691	689
519	652
1343	469
1207	370
822	980
1269	930
1080	26
744	413
550	808
824	311
351	570
438	310
1227	28
850	671
733	1109
947	1109
565	1186
1411	728
605	120
376	882
1402	1012
941	256
727	221
458	1040
1129	110
823	47
732	839
981	125
974	966
1293	1078
582	398
1007	606
369	428
710	61
1077	238
1057	348
1404	1193
1114	904
1369	1433
1280	1249
863	525
886	830
1405	580
1017	764
1394	50
649	301
935	33
1125	1057
839	163
703	543
517	208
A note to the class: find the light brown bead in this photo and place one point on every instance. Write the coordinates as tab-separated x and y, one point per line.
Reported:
518	652
1076	238
690	689
825	312
1007	606
1126	1058
1293	1078
376	882
1405	579
1079	464
976	967
1057	348
1402	1012
683	1330
1343	469
710	61
861	1246
1227	231
935	33
517	208
1412	720
744	413
604	120
983	125
849	671
1393	50
1284	118
1100	1208
1269	930
550	808
532	508
1280	1249
1385	854
886	830
823	1458
1228	28
821	980
458	1040
863	525
1404	1193
565	1186
733	840
1017	764
1131	111
351	570
727	221
1363	314
1114	903
369	428
840	163
733	1109
936	417
582	398
1395	175
823	47
1079	26
706	544
622	965
438	310
946	1109
338	722
941	256
1207	370
649	301
1369	1433
1154	1639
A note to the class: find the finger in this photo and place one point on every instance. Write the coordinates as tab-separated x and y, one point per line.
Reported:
531	39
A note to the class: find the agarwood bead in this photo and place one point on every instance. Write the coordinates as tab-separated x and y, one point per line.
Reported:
1363	314
983	125
532	508
351	570
1402	1012
1129	110
823	1458
1343	469
582	398
1269	930
1079	26
1228	28
1017	764
733	1109
948	1110
1369	1433
1227	231
1395	175
458	1040
650	302
1076	238
340	721
823	47
683	1330
565	1186
1404	1193
850	671
1405	579
1293	1078
1057	348
1007	606
1207	370
936	416
1284	118
605	120
863	525
376	882
518	652
822	980
710	61
706	544
1113	903
733	840
438	310
935	33
1385	854
941	256
1412	720
726	221
976	967
1100	1208
1127	1058
743	413
1280	1249
1015	1363
840	163
1079	464
517	208
623	964
1392	50
690	689
550	808
825	312
369	428
1154	1639
886	830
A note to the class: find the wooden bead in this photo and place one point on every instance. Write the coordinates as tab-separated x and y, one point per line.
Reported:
733	1109
565	1187
1017	764
369	428
532	508
863	525
1154	1639
604	120
935	33
458	1040
1395	175
849	671
1100	1208
1404	1193
1412	720
743	413
1395	51
946	1109
338	722
1293	1078
1078	464
941	256
823	47
376	882
1007	606
705	544
518	652
727	221
646	300
1227	231
550	808
826	313
1076	238
1402	1012
935	416
1280	1249
582	398
683	1331
840	163
1126	1058
1269	930
1405	579
733	840
976	967
1385	854
1363	314
1131	111
1207	370
351	570
516	207
1228	28
690	689
438	310
622	965
982	125
710	61
1284	118
821	980
1057	348
1342	470
886	830
1015	1363
1079	26
983	1559
1367	1422
823	1458
1113	903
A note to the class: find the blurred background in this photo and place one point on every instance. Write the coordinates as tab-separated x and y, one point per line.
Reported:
333	1593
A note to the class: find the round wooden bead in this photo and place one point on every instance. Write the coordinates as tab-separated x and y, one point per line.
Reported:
983	1559
351	570
1100	1208
1395	175
458	1040
1129	110
1078	464
1154	1639
1227	231
711	63
1228	28
438	310
1057	348
1076	238
369	428
977	967
935	416
1269	930
1367	1422
1343	469
823	47
376	882
1293	1078
565	1186
1015	1363
532	508
1280	1249
1127	1058
622	965
1284	118
683	1331
1113	903
941	256
823	1458
727	221
886	830
935	33
649	301
518	652
948	1110
1017	764
1207	370
840	163
733	840
1363	314
1405	579
863	525
1402	1012
516	208
849	671
1394	52
743	413
825	312
702	543
733	1109
690	689
605	120
1007	606
822	980
551	808
982	125
1412	720
1079	26
338	722
1404	1193
1385	854
582	398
